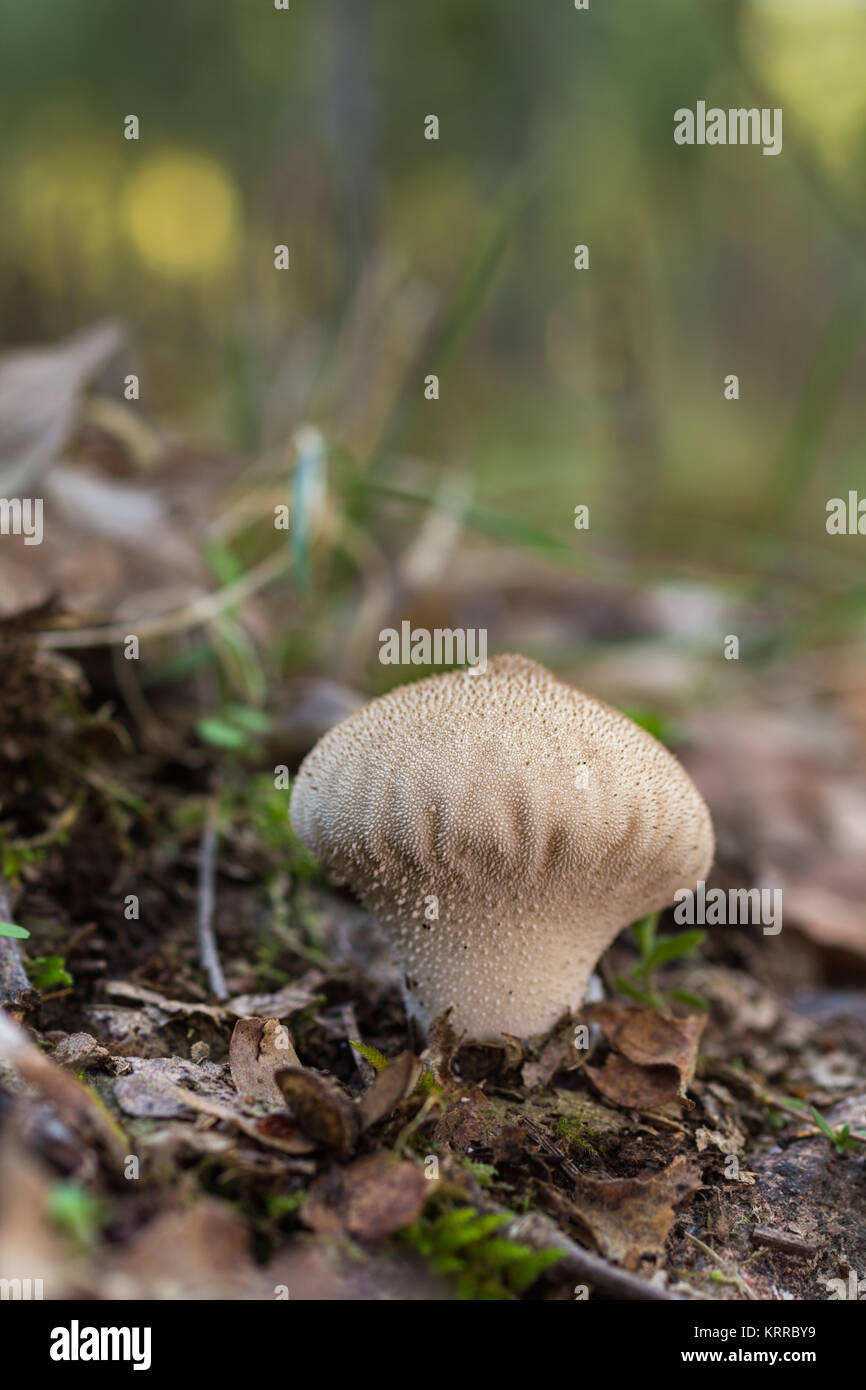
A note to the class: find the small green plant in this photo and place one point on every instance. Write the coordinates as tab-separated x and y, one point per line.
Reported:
48	972
576	1133
656	951
372	1055
483	1173
235	728
10	929
462	1244
79	1214
842	1138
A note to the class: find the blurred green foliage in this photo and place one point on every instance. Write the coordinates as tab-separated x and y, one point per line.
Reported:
602	386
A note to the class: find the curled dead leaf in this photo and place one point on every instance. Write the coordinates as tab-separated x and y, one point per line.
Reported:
260	1047
367	1201
628	1218
646	1039
325	1115
391	1085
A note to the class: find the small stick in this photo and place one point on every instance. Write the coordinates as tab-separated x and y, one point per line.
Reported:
732	1275
201	610
541	1233
207	946
786	1241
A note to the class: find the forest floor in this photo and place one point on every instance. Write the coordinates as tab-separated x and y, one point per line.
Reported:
295	1139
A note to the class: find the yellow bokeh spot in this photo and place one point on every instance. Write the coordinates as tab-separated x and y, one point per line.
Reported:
182	215
811	57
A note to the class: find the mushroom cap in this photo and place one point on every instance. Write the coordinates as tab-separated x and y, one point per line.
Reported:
503	827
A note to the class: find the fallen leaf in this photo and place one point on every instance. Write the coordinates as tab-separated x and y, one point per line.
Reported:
324	1114
153	1086
633	1087
258	1048
40	391
647	1038
391	1085
628	1218
368	1201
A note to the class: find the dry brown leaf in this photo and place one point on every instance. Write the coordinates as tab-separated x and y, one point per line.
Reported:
628	1218
324	1114
632	1087
367	1201
391	1085
156	1087
651	1039
258	1048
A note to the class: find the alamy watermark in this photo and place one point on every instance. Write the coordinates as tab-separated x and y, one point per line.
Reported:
739	125
737	907
22	516
441	646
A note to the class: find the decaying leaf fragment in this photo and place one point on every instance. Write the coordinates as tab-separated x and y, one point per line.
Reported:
628	1218
324	1113
653	1058
391	1085
260	1047
369	1200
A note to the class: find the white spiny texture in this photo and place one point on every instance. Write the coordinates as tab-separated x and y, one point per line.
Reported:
463	794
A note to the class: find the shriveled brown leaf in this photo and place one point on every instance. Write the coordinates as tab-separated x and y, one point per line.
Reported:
628	1218
278	1130
556	1054
368	1201
258	1048
649	1039
391	1085
632	1087
324	1114
441	1047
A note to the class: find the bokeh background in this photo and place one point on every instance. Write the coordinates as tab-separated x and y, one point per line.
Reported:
558	387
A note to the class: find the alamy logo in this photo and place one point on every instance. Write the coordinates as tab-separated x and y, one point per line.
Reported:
21	1289
76	1343
738	907
846	518
444	646
737	126
22	517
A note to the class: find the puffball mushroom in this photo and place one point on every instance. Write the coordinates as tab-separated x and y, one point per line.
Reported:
503	827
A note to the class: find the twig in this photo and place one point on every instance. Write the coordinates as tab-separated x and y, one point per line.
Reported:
17	995
201	610
540	1233
732	1275
208	953
785	1241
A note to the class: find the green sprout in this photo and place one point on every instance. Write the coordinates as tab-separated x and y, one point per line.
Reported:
10	929
48	972
842	1138
656	951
